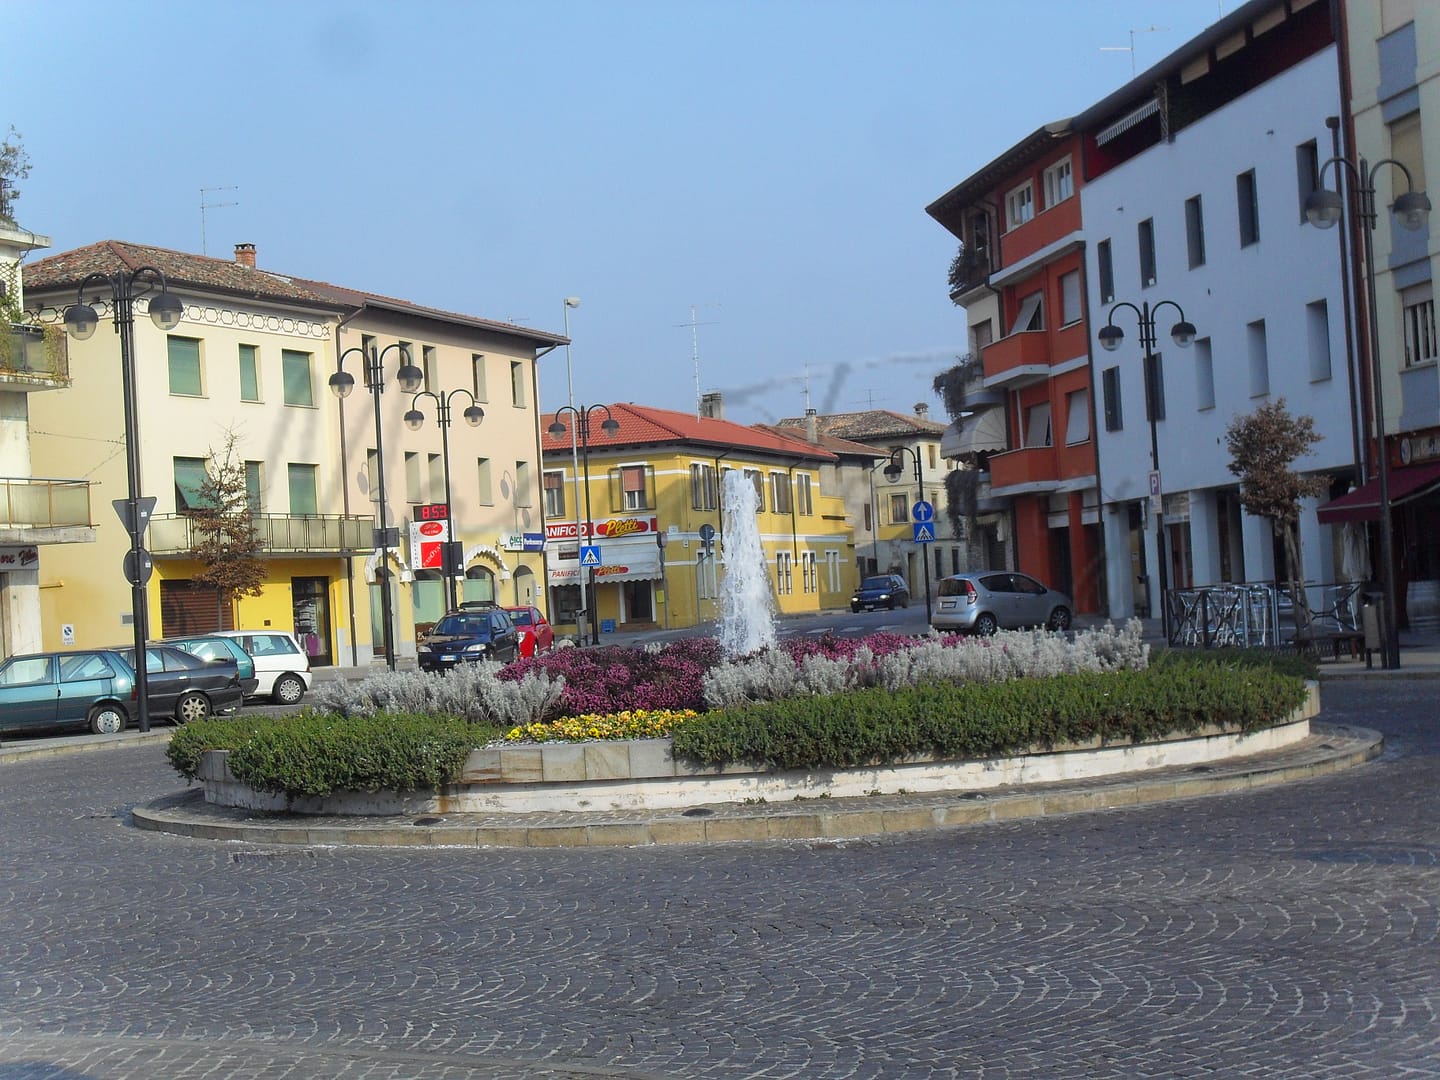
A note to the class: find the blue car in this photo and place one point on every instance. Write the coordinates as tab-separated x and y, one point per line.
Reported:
881	590
94	687
466	636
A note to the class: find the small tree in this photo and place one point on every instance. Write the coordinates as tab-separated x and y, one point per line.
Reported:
1264	446
962	486
226	542
14	167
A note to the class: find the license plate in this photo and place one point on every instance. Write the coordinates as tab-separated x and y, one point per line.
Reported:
448	658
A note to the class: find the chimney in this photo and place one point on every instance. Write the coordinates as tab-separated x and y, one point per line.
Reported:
921	409
812	426
712	405
245	255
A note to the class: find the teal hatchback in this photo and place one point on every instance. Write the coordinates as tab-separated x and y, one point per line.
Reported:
95	687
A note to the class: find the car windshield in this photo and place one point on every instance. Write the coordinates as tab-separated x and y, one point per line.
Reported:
462	626
875	583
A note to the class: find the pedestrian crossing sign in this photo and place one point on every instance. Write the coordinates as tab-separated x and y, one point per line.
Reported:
590	555
924	532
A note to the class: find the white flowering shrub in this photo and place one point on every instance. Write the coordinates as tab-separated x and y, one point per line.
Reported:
470	691
765	676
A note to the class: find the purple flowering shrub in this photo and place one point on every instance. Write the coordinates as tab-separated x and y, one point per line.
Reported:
613	678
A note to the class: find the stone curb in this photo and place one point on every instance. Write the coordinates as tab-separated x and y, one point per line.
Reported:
80	744
1331	748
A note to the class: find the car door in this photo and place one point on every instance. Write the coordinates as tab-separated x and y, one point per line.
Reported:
29	696
999	598
84	679
504	638
1031	607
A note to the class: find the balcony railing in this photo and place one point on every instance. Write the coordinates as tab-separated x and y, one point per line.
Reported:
1018	360
34	352
302	534
28	503
1028	465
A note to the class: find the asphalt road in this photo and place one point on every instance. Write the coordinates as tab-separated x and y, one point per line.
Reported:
1287	932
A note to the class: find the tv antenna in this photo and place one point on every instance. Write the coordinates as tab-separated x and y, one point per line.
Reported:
211	206
695	348
1131	47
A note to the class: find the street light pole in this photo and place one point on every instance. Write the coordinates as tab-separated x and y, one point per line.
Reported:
80	322
474	414
610	426
341	384
1182	333
574	302
892	473
1323	208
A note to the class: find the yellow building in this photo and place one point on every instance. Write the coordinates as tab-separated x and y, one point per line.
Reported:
252	357
655	517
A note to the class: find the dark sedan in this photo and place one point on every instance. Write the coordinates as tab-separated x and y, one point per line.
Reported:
881	590
465	636
185	687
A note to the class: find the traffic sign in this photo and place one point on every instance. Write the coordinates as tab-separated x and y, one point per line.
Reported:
1154	483
141	576
144	507
923	511
924	532
707	532
589	554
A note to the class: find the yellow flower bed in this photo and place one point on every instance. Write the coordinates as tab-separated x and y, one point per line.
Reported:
630	724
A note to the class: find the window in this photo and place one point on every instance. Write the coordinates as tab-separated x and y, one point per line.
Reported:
295	366
1204	375
1110	388
523	495
484	486
1405	147
1059	183
1146	234
184	366
1070	298
253	487
1105	271
704	494
1247	203
1259	357
634	487
1307	173
517	384
981	334
779	493
1154	388
372	474
899	509
249	373
1031	315
832	570
809	572
1418	317
435	465
1077	417
1037	425
1195	231
427	366
1020	205
412	478
869	523
782	573
1317	335
304	498
753	475
554	487
190	479
477	376
367	350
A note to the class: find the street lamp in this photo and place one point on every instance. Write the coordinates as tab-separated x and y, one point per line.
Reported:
892	473
127	286
341	384
1182	333
573	302
1323	208
474	414
610	426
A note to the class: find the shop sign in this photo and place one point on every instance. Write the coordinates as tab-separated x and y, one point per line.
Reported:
611	529
1419	448
1177	507
426	540
19	558
523	541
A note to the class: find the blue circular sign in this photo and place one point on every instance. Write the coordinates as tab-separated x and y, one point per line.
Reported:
707	532
923	511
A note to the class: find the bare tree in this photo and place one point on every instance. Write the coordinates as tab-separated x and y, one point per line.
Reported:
14	167
226	541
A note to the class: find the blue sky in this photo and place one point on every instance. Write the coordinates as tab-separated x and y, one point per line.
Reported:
766	163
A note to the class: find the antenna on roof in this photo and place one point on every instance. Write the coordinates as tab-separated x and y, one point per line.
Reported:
1131	47
870	394
695	352
210	206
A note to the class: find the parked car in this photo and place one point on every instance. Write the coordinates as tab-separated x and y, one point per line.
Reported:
184	687
983	601
282	667
536	634
466	636
95	687
881	590
213	647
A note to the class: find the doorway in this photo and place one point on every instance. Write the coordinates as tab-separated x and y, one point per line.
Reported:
311	600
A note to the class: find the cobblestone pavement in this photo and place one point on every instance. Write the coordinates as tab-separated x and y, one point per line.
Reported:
1286	932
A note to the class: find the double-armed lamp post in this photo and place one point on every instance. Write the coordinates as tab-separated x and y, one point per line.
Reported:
893	471
581	417
126	287
342	383
473	414
1324	208
1182	333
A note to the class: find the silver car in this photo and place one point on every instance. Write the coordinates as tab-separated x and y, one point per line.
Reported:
983	601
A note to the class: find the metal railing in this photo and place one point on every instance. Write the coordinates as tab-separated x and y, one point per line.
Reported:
336	534
29	352
1259	614
28	502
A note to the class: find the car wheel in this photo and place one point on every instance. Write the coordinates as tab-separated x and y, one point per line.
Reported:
1059	619
191	707
985	624
107	719
288	689
855	609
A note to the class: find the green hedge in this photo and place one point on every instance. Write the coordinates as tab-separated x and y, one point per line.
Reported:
315	753
875	726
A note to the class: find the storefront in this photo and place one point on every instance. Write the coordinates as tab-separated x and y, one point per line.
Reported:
626	572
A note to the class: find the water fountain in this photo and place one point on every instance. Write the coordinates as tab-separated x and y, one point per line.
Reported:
747	617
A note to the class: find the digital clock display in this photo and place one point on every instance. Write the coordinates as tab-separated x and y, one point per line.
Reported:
432	512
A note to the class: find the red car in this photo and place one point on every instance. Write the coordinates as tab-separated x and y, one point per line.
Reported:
535	633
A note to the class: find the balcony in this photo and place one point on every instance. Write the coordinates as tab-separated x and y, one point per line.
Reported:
1018	360
34	357
45	511
280	534
1015	472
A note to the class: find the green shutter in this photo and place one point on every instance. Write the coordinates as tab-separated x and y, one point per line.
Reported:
249	374
296	367
184	366
303	497
190	477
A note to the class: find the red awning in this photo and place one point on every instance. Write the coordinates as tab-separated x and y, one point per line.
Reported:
1363	503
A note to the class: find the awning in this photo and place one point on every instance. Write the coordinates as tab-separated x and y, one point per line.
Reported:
974	433
1363	503
623	559
1126	122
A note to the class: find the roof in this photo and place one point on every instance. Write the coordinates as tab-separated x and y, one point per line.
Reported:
998	171
837	446
871	424
641	425
181	269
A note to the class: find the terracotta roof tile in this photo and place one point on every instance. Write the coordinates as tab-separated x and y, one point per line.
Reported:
836	446
871	424
641	425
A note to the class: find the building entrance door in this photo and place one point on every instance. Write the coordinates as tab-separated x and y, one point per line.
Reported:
310	598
